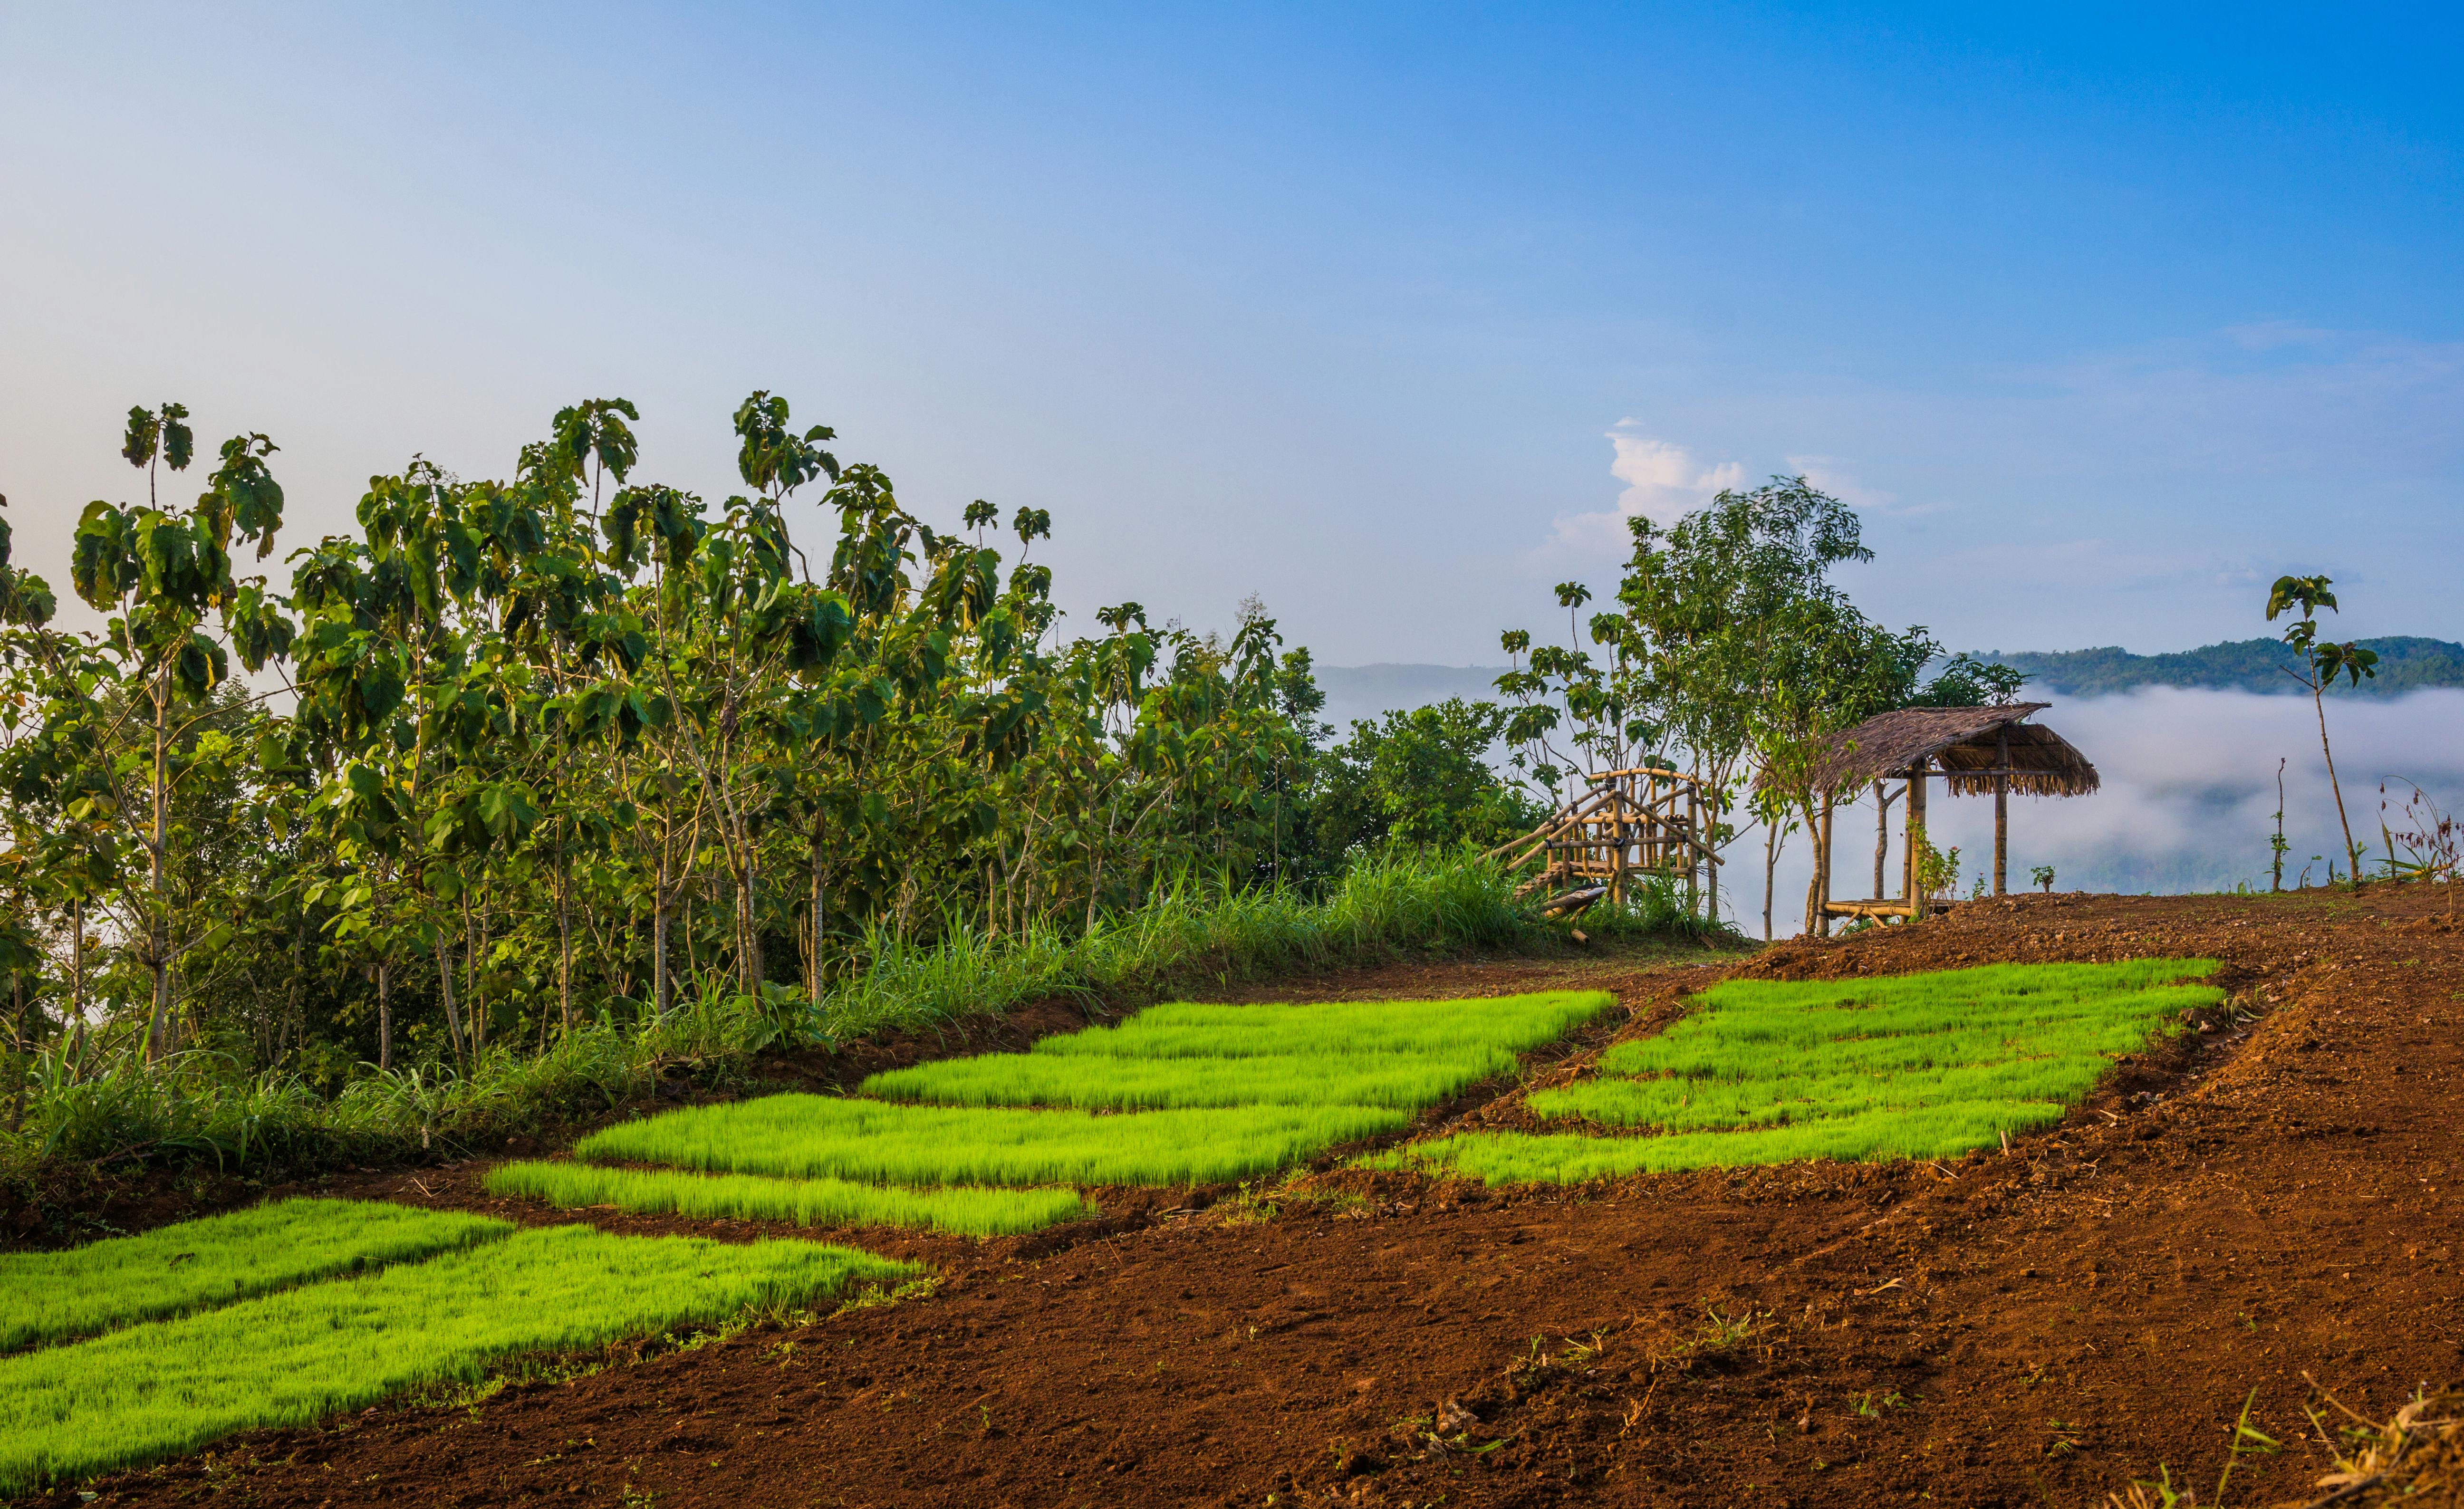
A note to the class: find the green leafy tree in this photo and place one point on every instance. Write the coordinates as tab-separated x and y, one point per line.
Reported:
160	575
1420	778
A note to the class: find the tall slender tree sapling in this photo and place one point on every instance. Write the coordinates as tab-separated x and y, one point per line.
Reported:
2322	661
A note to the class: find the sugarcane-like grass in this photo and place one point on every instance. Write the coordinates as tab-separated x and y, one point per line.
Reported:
876	1142
197	1265
805	1202
1912	1066
169	1386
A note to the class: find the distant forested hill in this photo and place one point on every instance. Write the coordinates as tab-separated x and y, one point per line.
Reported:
2406	664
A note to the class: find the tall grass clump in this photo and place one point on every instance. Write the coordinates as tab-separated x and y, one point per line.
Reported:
875	1142
221	1260
805	1202
94	1098
288	1359
1385	906
1919	1066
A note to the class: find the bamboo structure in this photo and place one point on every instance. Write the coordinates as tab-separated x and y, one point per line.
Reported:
1972	752
1642	821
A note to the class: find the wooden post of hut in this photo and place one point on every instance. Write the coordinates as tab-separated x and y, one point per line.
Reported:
2002	812
1916	831
1823	860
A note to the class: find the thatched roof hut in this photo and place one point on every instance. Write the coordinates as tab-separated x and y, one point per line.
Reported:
1967	745
1976	752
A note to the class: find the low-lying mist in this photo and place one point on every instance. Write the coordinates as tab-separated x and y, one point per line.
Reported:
2188	804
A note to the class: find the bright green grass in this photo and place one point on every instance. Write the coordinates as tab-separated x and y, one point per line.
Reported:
812	1136
1404	1081
1406	1055
155	1390
807	1202
1912	1066
198	1265
1194	1030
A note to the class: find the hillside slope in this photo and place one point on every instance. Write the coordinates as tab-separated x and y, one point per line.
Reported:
2407	663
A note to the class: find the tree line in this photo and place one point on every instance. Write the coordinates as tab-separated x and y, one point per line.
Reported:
572	745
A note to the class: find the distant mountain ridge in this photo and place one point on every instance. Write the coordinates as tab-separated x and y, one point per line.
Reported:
2407	663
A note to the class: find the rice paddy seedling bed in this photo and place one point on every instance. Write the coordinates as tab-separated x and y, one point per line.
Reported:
807	1202
197	1265
1406	1055
166	1386
1917	1066
1339	1029
812	1136
1088	1082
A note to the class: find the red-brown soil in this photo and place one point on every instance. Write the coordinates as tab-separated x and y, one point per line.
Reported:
2272	1197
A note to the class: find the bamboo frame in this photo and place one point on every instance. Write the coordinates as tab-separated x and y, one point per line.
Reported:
1644	820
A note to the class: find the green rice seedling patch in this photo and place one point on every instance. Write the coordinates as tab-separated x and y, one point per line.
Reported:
1198	1094
1091	1082
1913	1066
1406	1055
807	1202
812	1136
156	1390
1338	1029
198	1265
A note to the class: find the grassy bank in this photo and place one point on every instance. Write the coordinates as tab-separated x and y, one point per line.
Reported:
97	1102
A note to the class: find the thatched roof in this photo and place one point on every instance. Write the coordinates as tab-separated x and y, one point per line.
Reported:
1959	739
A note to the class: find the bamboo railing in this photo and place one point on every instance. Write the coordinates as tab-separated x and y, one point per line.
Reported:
1645	820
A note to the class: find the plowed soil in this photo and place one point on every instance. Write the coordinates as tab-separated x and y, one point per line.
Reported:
2268	1201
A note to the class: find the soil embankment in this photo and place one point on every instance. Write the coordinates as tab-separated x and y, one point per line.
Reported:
2271	1197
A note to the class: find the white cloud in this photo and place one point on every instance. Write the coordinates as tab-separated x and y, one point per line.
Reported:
1664	482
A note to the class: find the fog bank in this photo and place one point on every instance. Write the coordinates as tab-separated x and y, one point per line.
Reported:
2187	801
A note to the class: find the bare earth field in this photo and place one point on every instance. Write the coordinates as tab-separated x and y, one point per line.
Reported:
2272	1198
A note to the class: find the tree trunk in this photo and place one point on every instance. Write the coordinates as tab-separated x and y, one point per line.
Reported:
445	991
385	1015
158	923
295	1025
2352	855
471	979
1818	920
563	942
820	920
748	957
76	961
662	997
1770	865
1882	835
1711	862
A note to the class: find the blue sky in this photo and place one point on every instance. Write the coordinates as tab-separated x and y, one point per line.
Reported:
2103	318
